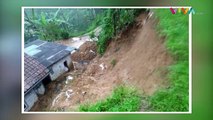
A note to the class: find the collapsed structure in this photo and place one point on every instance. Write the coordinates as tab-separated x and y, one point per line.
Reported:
43	62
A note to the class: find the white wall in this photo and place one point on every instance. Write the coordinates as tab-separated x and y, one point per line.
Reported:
59	68
40	89
30	99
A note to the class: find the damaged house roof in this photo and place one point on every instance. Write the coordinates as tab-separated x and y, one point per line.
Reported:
47	53
34	72
39	56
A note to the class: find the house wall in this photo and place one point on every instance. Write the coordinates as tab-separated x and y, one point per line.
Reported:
29	99
40	89
59	68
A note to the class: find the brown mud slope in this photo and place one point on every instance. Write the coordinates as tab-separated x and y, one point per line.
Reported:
86	52
139	59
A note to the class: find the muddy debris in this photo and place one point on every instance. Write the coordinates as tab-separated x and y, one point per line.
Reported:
68	78
135	55
86	52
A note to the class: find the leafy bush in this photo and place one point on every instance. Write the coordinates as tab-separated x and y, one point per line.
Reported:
65	35
107	31
113	21
92	35
50	31
123	98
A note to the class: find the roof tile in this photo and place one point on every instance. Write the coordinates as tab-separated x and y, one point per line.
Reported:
33	72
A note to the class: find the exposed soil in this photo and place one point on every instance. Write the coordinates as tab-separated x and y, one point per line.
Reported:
86	52
139	57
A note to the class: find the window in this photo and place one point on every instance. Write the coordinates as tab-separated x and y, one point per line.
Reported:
66	65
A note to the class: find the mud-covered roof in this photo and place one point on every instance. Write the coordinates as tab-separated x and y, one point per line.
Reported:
34	72
47	53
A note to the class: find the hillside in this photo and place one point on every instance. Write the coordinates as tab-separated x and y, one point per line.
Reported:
136	57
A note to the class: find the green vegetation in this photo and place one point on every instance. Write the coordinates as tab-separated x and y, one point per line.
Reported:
60	23
64	34
175	29
55	24
123	99
92	35
65	23
113	21
175	97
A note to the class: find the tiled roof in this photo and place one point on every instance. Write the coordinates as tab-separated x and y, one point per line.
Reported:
34	72
47	53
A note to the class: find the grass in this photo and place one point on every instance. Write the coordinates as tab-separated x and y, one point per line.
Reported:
126	99
175	29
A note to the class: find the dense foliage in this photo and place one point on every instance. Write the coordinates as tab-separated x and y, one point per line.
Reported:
176	96
113	21
55	24
123	99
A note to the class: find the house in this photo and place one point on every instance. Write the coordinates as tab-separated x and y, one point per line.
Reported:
43	61
34	73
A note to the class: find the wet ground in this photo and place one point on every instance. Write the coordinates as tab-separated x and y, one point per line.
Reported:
139	55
